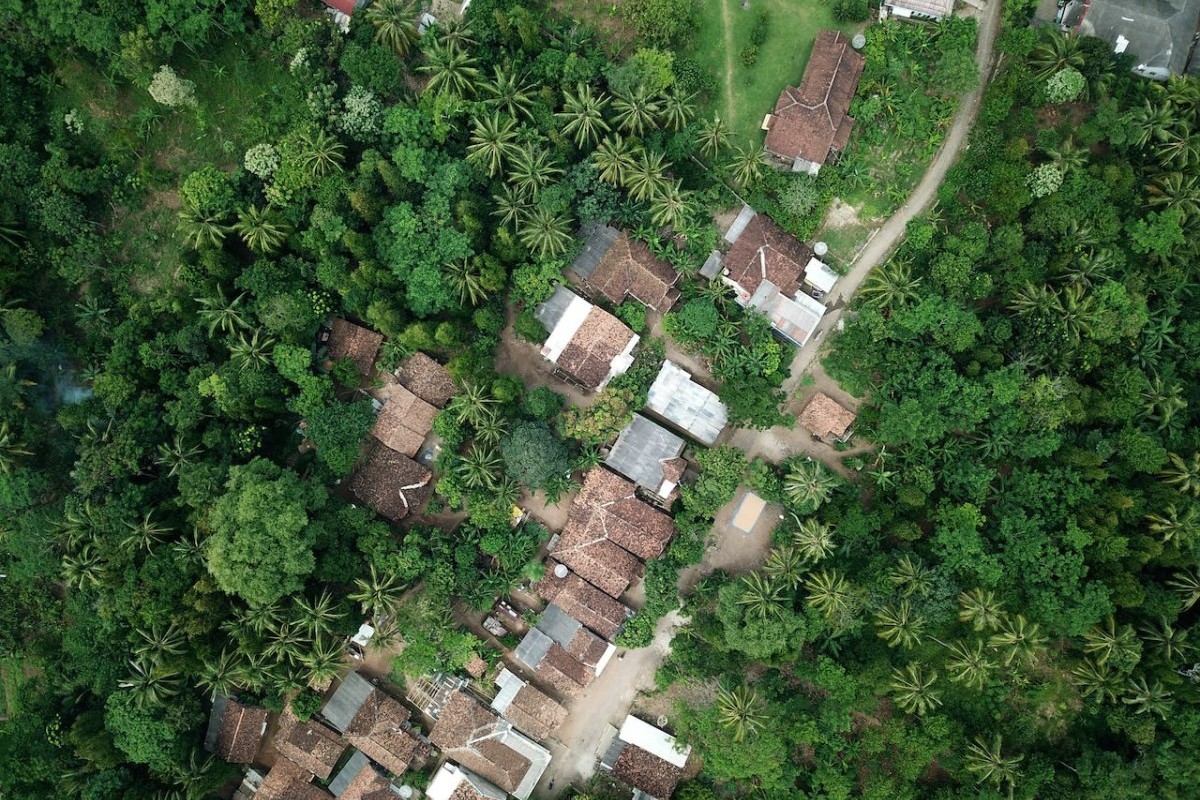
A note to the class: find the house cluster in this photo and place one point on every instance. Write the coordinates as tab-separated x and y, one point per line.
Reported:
392	477
646	758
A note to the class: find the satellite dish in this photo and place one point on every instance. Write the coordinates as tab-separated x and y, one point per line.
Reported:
820	248
858	42
561	571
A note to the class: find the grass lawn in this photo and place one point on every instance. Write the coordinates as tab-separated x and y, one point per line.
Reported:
747	94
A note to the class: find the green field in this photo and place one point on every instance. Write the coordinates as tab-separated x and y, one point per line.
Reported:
747	94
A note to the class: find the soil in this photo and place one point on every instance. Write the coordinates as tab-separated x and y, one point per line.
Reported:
515	356
842	215
730	549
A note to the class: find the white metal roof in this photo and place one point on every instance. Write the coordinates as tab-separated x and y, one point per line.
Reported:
820	275
680	400
653	741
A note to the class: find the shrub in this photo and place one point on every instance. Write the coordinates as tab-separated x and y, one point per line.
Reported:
533	454
762	27
528	328
1065	85
542	403
851	10
1045	180
633	314
168	88
749	55
801	196
305	704
208	191
262	160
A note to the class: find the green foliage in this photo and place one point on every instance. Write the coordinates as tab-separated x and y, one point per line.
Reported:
533	454
337	432
851	10
633	314
1065	85
542	403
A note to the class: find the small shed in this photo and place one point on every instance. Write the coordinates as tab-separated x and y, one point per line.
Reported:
818	275
650	456
825	418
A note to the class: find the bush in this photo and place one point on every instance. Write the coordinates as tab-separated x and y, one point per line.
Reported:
633	314
528	328
208	191
533	454
262	160
851	10
542	403
749	55
801	196
168	88
762	27
305	704
1045	180
1065	85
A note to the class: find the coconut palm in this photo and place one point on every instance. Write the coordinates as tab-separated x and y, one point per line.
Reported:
830	593
324	659
508	92
511	205
1176	526
253	352
465	279
532	169
644	180
176	454
493	142
1183	474
84	568
159	642
1108	642
635	111
12	449
583	115
1032	300
545	233
1162	403
1068	156
1020	640
323	154
1178	150
912	689
91	313
890	286
287	642
472	404
980	608
378	594
746	166
786	566
1055	51
969	664
1174	190
491	430
479	467
911	576
452	70
457	33
395	23
221	675
1152	122
222	314
761	596
1095	679
189	548
678	109
899	625
1148	698
740	711
1187	584
671	207
195	778
144	534
808	484
319	615
613	158
712	136
1166	639
814	539
987	762
202	230
151	683
261	229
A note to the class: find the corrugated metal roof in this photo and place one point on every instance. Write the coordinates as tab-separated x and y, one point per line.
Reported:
220	703
559	625
509	685
550	313
599	239
641	450
339	711
739	224
712	265
680	400
533	648
347	773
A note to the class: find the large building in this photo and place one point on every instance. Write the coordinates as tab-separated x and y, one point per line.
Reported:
650	456
678	399
1160	35
646	758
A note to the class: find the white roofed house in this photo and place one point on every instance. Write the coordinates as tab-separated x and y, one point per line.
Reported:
919	9
677	398
646	758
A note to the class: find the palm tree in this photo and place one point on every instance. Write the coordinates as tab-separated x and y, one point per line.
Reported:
1187	584
221	675
1163	403
507	92
1175	526
491	430
761	596
323	153
472	405
318	616
395	24
222	314
1178	149
511	205
678	109
740	711
260	619
746	167
671	207
90	312
912	688
614	158
583	115
176	455
1021	640
1183	474
830	593
190	548
84	568
324	660
890	286
980	608
1152	698
1152	122
545	233
1093	678
144	534
12	449
261	229
989	765
1108	642
151	683
451	69
195	777
252	352
379	595
1174	190
287	641
1036	301
202	230
712	136
1068	156
644	180
911	576
813	538
786	566
158	642
898	625
636	111
808	484
969	664
479	466
465	279
493	142
1164	637
457	33
532	169
1055	52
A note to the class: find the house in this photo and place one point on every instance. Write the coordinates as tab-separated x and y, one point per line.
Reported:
392	484
919	9
427	379
288	780
531	710
453	782
404	420
811	123
765	267
375	723
615	266
588	345
609	532
475	737
309	745
646	758
347	340
562	652
819	277
1158	35
359	779
677	398
595	609
650	456
825	418
235	731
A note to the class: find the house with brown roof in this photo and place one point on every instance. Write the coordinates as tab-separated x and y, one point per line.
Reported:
427	379
359	779
346	340
453	782
826	418
562	652
404	420
595	609
288	780
377	724
615	265
765	267
609	532
811	122
235	731
646	758
588	346
309	745
524	705
390	483
475	737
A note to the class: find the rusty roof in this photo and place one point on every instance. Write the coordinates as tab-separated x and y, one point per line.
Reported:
589	356
535	712
645	771
475	737
563	671
824	416
404	421
595	609
360	345
241	732
392	484
309	745
812	119
427	379
289	781
765	251
379	731
627	268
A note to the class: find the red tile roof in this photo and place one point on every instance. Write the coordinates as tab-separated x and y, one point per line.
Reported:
289	781
309	745
405	419
824	416
629	268
588	357
595	609
467	732
359	344
427	379
378	730
240	733
767	251
811	120
535	713
392	484
646	771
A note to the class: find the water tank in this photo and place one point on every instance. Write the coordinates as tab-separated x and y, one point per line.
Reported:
560	571
858	42
406	792
820	249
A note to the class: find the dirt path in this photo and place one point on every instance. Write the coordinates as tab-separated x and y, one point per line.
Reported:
727	25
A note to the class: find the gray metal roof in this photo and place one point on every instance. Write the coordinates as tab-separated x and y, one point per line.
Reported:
533	648
739	224
339	711
1157	32
686	404
551	312
600	239
220	702
712	265
641	450
559	625
341	781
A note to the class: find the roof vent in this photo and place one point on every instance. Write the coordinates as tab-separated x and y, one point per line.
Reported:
561	571
858	42
820	248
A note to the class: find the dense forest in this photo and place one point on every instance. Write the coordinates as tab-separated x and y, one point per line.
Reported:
999	603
